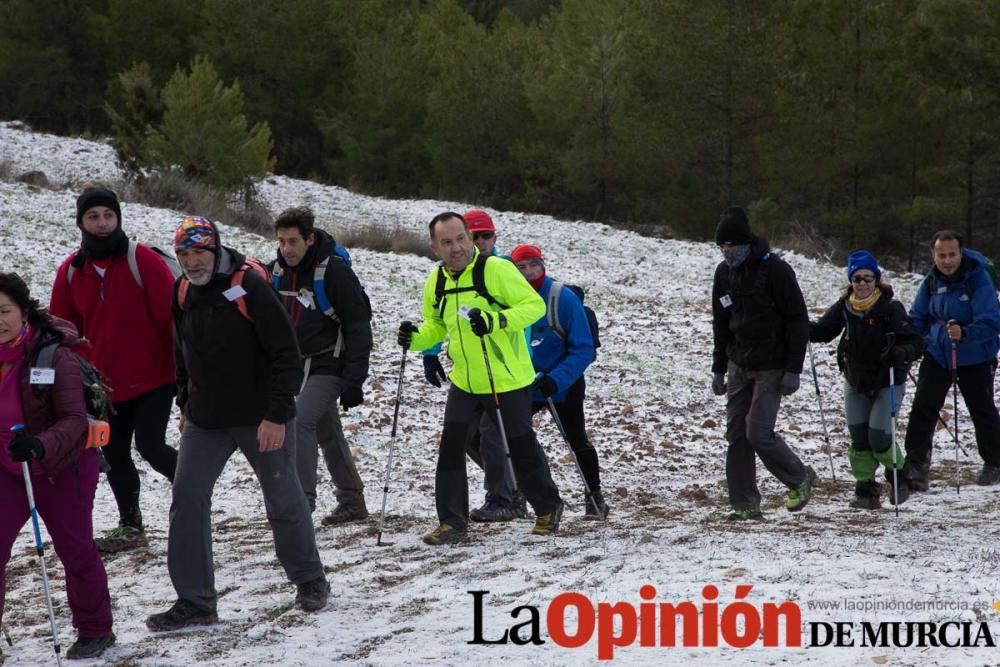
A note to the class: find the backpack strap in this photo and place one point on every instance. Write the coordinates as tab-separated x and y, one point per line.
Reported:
70	270
133	265
276	274
323	304
478	285
552	309
235	281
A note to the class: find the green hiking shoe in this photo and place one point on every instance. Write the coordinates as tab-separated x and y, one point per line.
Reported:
745	514
121	538
444	534
798	498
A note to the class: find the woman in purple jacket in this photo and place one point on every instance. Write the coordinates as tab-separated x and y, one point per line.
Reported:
64	471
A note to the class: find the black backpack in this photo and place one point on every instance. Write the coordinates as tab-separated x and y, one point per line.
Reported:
478	284
95	391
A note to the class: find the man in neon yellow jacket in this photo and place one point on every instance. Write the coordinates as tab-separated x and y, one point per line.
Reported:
483	305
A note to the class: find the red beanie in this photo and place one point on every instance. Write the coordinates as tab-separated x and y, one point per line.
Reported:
524	252
479	220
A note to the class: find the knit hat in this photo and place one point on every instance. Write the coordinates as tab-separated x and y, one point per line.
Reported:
479	220
862	259
196	232
734	227
92	197
525	252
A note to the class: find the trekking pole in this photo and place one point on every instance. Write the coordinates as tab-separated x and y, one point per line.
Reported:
892	431
954	393
40	550
822	412
503	431
576	461
392	448
940	418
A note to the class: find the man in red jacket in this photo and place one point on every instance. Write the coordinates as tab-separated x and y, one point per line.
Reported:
129	327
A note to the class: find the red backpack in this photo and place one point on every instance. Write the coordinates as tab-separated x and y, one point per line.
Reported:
249	264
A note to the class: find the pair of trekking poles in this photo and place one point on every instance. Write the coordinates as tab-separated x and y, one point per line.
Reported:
503	439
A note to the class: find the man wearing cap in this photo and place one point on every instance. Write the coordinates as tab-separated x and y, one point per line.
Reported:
130	330
562	348
957	313
238	370
761	328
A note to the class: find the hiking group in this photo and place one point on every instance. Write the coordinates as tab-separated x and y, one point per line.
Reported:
762	331
263	359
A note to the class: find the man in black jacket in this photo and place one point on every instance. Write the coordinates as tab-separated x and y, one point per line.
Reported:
761	328
237	373
332	320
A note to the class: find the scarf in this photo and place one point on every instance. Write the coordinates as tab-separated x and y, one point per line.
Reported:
863	305
736	255
12	350
92	246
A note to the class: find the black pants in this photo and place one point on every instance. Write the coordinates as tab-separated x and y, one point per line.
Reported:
571	415
933	385
461	416
146	417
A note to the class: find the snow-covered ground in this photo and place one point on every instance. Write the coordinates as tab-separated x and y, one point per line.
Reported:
652	417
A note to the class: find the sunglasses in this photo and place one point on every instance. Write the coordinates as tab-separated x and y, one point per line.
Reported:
486	236
867	280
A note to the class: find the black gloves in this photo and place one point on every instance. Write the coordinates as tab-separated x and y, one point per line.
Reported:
351	396
546	386
789	384
406	331
25	447
719	384
893	356
433	370
481	323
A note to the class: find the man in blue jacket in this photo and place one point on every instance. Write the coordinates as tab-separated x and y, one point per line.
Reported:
562	348
955	308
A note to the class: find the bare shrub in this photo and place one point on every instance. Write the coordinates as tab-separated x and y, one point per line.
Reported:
805	241
6	170
35	178
383	238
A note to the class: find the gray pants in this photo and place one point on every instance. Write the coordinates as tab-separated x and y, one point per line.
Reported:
753	399
202	455
317	419
869	417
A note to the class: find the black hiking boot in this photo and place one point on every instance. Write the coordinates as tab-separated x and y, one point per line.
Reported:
903	492
90	647
494	509
347	511
312	594
866	496
594	506
520	505
918	475
989	475
181	615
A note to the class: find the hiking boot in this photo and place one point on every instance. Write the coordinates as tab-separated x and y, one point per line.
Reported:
798	498
745	514
121	538
180	615
918	475
904	487
444	534
346	512
600	512
90	647
494	509
866	496
519	505
312	595
548	524
989	475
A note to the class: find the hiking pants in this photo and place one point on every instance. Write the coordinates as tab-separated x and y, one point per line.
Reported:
462	413
485	448
203	454
318	420
752	402
146	416
869	421
571	415
65	503
933	389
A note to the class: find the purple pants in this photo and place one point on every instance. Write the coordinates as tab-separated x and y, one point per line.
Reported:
65	504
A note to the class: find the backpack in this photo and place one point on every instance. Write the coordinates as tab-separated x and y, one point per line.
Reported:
478	284
249	264
552	311
322	301
95	391
168	258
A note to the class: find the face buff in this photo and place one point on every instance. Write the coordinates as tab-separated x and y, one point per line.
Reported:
736	255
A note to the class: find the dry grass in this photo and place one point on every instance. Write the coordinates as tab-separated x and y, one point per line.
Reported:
382	238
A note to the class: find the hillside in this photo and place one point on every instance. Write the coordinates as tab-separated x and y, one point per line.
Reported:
658	431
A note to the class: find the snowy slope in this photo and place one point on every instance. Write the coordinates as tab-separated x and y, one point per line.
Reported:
653	419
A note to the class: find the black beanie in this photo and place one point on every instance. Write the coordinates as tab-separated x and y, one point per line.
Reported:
733	227
97	197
